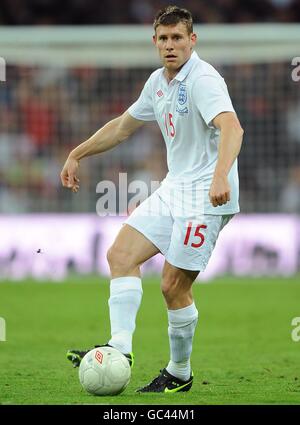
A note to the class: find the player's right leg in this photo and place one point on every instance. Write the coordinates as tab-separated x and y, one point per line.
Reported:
147	231
128	252
130	249
75	355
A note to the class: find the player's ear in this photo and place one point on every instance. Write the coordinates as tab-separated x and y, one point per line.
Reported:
193	38
154	39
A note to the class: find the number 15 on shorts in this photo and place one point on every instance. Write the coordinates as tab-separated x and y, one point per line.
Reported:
194	237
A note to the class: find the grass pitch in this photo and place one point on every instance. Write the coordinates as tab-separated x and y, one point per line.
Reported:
243	351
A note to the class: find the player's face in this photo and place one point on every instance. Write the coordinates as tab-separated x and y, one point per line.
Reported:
174	45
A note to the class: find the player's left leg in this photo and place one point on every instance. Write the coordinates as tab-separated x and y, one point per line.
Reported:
182	318
191	246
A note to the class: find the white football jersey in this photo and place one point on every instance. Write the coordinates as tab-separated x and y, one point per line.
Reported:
184	110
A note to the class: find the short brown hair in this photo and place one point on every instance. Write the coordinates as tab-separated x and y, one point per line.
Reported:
172	15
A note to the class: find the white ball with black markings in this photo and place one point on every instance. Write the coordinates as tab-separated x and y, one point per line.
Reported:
104	371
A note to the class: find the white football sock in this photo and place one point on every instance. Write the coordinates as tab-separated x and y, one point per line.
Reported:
182	325
124	302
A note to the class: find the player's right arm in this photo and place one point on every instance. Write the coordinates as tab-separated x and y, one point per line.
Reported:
109	136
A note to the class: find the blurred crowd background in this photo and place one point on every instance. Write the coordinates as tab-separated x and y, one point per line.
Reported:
78	12
46	111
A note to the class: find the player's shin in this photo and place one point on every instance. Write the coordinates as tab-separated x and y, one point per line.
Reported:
182	325
124	302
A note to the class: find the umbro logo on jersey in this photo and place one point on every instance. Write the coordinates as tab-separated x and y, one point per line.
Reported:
159	93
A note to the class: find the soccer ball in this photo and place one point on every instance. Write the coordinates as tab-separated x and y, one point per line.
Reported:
104	371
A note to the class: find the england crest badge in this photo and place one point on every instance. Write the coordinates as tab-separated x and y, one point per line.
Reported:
182	94
182	99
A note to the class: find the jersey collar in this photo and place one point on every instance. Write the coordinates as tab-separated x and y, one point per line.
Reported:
185	70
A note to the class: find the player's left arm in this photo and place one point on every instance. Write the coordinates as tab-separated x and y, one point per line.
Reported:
230	144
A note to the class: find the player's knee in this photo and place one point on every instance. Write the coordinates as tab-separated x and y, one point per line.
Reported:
169	286
167	292
119	260
175	287
116	257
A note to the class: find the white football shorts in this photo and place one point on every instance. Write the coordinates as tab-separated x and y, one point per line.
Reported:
186	242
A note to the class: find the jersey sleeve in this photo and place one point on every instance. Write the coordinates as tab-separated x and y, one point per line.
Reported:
142	109
211	97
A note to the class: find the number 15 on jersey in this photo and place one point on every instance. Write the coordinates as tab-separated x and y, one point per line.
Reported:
170	128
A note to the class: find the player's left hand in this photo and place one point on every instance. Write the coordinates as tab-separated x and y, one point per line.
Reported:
219	193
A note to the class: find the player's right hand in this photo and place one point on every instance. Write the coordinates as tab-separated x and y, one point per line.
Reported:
68	175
